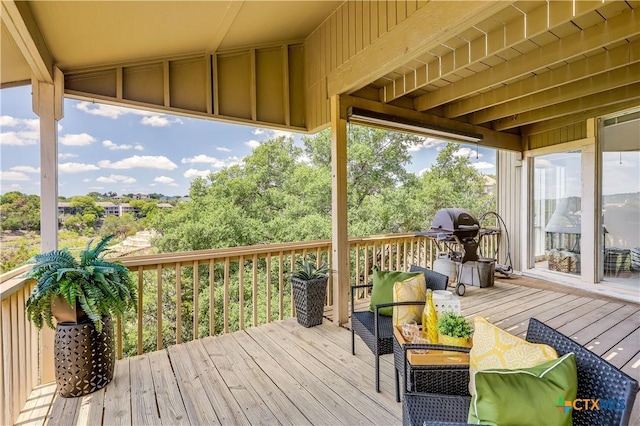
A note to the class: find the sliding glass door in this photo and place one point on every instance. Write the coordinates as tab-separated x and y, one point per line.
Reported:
620	248
557	212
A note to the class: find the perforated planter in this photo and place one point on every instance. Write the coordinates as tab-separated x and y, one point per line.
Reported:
84	358
309	297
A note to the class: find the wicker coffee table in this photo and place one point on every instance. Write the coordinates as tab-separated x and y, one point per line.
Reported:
436	371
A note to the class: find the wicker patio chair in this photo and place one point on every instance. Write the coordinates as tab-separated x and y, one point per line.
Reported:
597	378
375	330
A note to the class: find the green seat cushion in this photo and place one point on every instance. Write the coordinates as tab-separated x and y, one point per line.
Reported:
382	291
525	396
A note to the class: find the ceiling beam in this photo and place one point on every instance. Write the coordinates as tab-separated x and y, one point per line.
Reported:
408	40
512	33
577	89
607	60
620	95
22	26
233	8
556	123
623	26
491	138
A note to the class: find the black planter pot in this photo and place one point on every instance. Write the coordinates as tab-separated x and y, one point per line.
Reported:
309	297
84	357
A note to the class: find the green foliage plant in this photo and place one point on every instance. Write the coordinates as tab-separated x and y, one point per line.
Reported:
308	270
454	325
100	287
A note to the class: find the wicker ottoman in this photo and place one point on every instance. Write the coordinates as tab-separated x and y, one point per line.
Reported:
84	358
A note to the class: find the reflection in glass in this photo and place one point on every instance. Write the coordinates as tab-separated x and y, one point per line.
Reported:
620	255
557	212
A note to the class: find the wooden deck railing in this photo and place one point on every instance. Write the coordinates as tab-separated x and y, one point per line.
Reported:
189	295
22	348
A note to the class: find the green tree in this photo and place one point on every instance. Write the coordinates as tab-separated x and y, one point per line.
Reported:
453	182
145	207
19	211
85	204
120	226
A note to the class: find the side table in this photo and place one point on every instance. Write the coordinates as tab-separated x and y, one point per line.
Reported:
442	370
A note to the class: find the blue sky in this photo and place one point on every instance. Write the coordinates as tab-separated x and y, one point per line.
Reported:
104	148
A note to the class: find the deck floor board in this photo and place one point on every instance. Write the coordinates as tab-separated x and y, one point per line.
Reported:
282	373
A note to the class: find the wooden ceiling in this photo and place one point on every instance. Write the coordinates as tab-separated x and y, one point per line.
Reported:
523	68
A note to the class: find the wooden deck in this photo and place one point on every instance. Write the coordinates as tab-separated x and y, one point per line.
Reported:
282	373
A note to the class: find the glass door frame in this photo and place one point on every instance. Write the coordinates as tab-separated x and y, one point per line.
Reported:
590	239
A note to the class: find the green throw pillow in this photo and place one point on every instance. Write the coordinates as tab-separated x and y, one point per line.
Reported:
382	291
526	396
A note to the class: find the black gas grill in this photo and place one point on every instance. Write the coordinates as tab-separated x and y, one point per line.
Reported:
457	226
460	232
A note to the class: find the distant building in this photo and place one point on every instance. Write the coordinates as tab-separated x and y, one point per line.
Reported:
127	208
110	209
164	206
64	207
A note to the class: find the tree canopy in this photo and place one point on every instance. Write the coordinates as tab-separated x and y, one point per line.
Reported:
282	192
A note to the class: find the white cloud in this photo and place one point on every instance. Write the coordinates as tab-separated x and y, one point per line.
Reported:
159	121
215	162
13	176
15	186
253	144
17	139
96	187
467	152
25	169
8	121
165	180
196	173
60	127
113	146
425	143
204	159
27	131
223	149
423	171
86	180
81	139
62	156
76	167
137	161
110	111
481	165
115	178
270	133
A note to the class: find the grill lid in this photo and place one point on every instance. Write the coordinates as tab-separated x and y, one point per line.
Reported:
453	219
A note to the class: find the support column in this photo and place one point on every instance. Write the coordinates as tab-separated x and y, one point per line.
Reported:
590	228
339	237
47	104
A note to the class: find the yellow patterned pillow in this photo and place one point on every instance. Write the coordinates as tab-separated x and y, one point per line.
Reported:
409	290
496	348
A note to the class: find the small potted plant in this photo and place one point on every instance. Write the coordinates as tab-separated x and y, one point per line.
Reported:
454	329
82	295
309	283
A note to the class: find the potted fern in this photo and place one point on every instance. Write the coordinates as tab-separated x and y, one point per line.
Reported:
309	283
82	295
